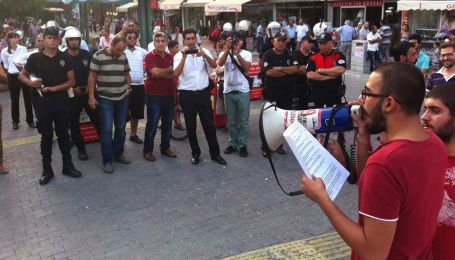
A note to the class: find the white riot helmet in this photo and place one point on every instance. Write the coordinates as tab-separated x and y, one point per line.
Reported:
227	27
244	25
21	34
49	24
72	33
273	29
319	28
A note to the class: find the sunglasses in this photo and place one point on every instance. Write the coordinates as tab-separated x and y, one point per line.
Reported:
132	38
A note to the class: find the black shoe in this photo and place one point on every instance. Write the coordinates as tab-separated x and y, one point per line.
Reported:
48	174
219	159
243	152
83	156
69	170
136	139
195	160
229	150
264	153
32	125
280	150
15	125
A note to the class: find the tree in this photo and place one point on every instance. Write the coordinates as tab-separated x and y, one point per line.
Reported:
23	8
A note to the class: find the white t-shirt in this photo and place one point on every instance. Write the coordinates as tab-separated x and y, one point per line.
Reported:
136	60
194	75
233	78
179	40
301	31
373	46
8	58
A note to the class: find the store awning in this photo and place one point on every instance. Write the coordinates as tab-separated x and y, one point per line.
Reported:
196	3
404	5
124	8
170	4
233	6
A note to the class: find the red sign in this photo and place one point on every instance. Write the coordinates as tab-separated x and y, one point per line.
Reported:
357	3
153	4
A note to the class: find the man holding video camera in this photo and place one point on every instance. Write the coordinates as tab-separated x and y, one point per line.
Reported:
401	185
236	92
191	68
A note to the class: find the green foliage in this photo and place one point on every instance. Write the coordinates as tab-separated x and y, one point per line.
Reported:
23	8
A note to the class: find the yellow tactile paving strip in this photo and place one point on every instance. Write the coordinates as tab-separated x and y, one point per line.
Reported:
328	246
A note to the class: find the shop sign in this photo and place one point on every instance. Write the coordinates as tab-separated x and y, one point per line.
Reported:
357	3
219	8
451	6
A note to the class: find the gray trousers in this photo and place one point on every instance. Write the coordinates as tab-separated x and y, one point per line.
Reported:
345	48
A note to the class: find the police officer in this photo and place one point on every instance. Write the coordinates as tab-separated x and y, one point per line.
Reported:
324	73
279	70
50	73
81	63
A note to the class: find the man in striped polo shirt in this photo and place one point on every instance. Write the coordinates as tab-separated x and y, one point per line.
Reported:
447	72
135	56
109	71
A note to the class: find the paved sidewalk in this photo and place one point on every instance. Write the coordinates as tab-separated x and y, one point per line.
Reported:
167	209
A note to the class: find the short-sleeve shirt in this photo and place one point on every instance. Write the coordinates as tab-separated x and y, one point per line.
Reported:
272	59
111	81
159	86
81	66
371	37
386	34
444	238
301	31
347	33
319	61
136	58
423	61
8	58
291	31
266	47
52	70
403	182
194	75
233	78
363	33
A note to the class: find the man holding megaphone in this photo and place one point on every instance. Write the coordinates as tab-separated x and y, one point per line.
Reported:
401	183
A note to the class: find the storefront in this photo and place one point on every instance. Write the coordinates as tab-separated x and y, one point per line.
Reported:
194	15
310	11
357	11
172	12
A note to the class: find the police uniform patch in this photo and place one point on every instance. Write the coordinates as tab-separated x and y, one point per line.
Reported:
296	62
85	62
341	62
288	62
62	63
266	64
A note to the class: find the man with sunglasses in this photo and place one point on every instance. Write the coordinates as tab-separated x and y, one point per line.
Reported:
447	72
401	184
136	102
324	72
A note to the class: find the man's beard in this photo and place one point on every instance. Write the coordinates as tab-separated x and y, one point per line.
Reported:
448	66
445	132
377	118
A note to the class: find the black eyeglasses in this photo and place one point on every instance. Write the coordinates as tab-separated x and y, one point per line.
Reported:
132	38
365	94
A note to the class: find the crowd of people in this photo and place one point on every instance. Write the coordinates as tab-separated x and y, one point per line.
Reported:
406	186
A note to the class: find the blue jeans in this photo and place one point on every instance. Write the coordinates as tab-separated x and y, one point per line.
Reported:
374	58
158	106
112	112
238	110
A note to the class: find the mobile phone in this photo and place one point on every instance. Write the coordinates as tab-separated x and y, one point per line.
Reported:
192	51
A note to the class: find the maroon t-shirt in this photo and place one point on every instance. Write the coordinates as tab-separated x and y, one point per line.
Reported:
158	86
444	239
403	181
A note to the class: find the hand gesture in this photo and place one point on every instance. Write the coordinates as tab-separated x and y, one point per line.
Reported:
36	83
185	48
229	43
236	50
200	53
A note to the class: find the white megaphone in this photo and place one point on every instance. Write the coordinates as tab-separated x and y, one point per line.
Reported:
273	121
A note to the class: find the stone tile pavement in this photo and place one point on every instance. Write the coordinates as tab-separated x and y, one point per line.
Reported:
167	209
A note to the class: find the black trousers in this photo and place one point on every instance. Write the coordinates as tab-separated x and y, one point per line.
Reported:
15	86
325	96
77	104
198	103
53	109
281	96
